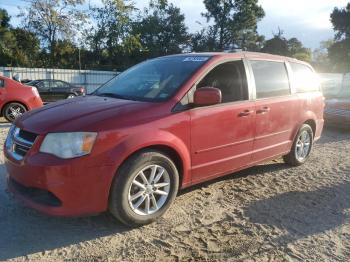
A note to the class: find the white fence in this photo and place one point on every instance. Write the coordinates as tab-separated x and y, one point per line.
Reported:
90	79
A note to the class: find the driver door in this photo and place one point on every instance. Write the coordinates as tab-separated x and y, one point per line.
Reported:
222	135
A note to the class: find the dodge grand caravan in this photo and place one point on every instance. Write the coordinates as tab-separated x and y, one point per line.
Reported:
165	124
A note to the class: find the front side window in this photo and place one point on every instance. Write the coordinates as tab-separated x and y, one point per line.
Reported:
2	83
154	80
271	79
230	78
305	80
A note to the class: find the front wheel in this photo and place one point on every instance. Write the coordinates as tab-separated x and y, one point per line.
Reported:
301	148
13	111
144	188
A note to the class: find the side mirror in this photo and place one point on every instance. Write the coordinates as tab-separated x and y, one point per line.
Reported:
207	96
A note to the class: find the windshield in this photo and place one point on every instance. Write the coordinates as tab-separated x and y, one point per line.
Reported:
154	80
344	93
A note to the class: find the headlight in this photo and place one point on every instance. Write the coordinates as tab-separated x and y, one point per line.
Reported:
68	145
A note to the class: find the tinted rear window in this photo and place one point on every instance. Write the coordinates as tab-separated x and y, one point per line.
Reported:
271	79
305	80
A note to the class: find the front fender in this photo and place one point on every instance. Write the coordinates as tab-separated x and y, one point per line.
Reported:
135	142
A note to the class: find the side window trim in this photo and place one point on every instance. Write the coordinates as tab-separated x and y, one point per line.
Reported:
178	108
291	78
253	78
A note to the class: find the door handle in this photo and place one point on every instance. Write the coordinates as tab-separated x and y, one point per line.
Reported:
263	110
246	113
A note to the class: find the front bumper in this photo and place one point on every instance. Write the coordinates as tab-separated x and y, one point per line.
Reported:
59	187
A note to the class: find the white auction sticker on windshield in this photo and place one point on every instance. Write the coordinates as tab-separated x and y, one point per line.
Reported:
196	59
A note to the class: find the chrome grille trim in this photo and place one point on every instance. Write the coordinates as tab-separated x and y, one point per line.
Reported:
16	145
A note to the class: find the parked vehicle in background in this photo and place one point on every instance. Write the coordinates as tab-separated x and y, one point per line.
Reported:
16	98
165	124
331	83
54	90
337	111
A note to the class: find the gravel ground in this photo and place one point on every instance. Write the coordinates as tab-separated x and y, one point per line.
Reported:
269	212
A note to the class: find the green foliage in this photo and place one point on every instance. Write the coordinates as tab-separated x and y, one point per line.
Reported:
339	52
18	47
162	29
279	45
53	20
235	23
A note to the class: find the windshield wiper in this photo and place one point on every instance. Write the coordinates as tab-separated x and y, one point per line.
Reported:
111	95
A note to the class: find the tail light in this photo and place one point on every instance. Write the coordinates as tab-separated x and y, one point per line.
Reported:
82	90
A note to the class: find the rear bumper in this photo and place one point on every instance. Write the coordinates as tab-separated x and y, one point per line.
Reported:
59	187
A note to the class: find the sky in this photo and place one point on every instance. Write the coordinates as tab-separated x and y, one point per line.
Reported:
308	20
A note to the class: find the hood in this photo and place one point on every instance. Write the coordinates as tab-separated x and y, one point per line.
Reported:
89	113
339	103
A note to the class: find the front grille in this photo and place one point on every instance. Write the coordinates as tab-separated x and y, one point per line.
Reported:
19	142
337	112
30	137
20	149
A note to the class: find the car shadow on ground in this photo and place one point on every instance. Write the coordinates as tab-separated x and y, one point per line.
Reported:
303	214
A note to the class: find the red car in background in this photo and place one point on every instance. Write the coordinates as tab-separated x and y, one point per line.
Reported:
16	98
337	111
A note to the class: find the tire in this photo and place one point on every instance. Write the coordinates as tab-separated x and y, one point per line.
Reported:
71	96
13	111
301	148
134	212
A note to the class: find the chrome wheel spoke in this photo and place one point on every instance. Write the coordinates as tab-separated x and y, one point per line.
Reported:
143	177
138	184
159	175
161	185
147	206
160	192
154	201
139	202
153	173
137	195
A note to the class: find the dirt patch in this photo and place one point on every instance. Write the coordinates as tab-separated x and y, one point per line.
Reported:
269	212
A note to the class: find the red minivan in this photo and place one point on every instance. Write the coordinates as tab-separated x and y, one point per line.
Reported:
16	98
164	124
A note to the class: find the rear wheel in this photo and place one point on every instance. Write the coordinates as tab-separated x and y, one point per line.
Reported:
13	111
301	148
144	188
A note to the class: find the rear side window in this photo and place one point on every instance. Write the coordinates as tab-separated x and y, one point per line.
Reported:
305	80
271	79
2	83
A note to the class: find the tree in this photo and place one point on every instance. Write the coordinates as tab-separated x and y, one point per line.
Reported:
320	58
339	52
292	47
110	38
235	22
53	20
162	29
18	47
